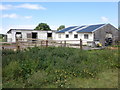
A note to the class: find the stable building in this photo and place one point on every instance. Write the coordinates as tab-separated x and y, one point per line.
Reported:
25	34
103	33
89	33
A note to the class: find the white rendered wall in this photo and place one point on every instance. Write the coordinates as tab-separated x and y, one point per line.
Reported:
9	37
71	37
42	35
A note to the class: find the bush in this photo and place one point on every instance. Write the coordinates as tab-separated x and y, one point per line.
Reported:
10	70
41	67
37	80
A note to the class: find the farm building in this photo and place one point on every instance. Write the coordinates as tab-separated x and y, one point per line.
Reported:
12	34
103	33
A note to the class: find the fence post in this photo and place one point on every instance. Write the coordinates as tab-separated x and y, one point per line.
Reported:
41	42
35	43
64	43
46	43
61	43
3	47
81	44
17	44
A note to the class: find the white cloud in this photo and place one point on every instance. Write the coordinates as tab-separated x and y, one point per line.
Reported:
22	26
104	19
14	16
25	6
32	26
31	6
60	0
5	7
54	27
9	15
28	17
5	29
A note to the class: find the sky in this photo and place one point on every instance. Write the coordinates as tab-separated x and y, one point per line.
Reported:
27	15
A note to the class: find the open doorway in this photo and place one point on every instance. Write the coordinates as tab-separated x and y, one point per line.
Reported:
108	39
34	36
49	35
18	35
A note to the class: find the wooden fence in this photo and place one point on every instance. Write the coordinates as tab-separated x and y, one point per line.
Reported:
24	43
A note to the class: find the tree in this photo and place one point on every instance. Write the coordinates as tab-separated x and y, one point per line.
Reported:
42	26
61	27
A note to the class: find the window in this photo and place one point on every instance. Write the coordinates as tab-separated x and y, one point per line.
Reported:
29	35
75	35
59	35
86	36
67	36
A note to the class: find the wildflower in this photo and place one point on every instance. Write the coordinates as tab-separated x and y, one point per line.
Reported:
61	85
65	76
58	80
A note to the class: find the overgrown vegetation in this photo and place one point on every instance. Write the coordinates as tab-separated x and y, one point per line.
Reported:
54	67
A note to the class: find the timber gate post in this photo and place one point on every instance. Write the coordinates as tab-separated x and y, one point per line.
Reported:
3	47
46	43
17	44
64	43
61	43
81	44
41	42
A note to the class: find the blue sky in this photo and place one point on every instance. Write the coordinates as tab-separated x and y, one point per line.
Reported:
29	14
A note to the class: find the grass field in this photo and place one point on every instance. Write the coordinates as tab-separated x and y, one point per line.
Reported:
105	79
60	67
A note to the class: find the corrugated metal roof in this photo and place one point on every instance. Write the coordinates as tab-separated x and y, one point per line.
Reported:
83	28
66	29
90	28
77	28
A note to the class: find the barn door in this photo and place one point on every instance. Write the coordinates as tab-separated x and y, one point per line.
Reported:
108	39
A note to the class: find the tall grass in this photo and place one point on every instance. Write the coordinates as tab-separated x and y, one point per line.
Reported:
42	67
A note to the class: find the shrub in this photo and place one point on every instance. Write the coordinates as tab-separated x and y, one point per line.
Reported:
39	67
10	70
37	80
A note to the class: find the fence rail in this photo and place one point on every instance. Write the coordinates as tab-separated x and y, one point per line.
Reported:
24	43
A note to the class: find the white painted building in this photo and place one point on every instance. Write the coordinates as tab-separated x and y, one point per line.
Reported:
88	33
12	34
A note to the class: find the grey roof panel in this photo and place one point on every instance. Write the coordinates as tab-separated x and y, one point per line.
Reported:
77	28
90	28
66	29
